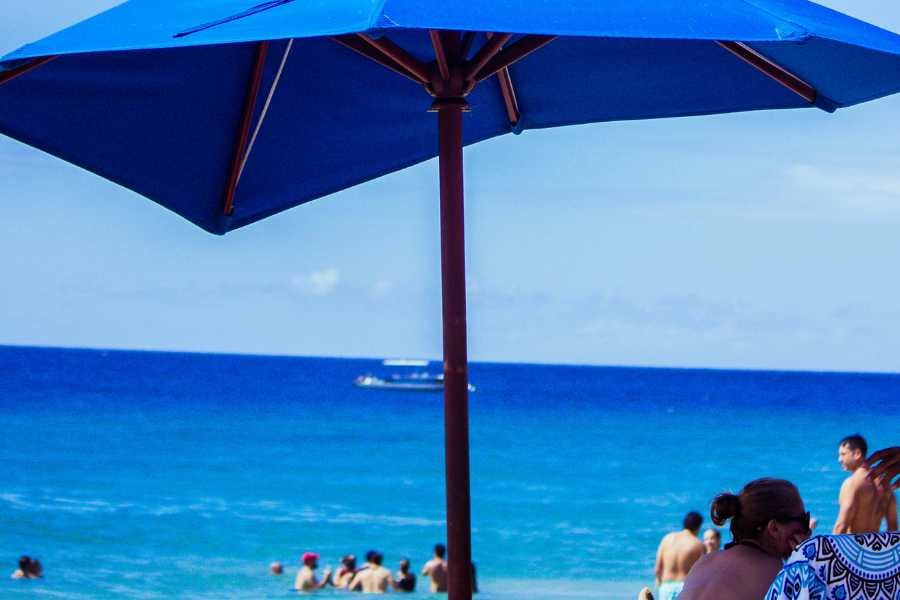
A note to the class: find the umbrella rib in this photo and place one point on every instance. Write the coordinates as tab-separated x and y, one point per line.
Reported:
440	54
359	46
399	56
486	53
771	69
243	132
22	69
514	53
509	96
509	93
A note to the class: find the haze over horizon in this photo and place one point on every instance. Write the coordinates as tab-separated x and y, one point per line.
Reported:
761	240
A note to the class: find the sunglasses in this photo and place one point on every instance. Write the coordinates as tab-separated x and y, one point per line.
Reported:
803	519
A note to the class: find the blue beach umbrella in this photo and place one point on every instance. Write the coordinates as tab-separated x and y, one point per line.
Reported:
229	111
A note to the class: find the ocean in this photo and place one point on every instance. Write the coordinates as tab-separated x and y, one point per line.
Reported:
172	475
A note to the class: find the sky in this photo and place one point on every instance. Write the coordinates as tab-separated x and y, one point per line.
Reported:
763	240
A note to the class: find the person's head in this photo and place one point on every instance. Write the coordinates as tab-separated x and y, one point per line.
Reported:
349	562
852	452
24	564
712	540
276	568
692	521
767	511
440	550
310	559
404	566
369	555
377	558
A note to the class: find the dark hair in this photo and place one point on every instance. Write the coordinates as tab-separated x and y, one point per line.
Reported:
761	501
856	442
377	558
370	554
404	565
25	563
692	521
440	550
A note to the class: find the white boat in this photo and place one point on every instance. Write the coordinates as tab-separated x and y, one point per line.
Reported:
415	381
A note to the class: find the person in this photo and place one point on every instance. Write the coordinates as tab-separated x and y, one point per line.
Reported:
885	468
860	566
677	553
276	568
768	520
25	569
306	578
344	575
712	540
436	569
374	579
406	580
645	594
863	505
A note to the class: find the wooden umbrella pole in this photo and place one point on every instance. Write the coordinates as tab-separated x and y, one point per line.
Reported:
456	393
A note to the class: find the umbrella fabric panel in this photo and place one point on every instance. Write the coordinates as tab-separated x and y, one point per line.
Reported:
141	24
666	19
844	74
829	24
582	80
144	24
162	123
336	120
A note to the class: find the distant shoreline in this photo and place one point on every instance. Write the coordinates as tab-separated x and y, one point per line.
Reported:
749	370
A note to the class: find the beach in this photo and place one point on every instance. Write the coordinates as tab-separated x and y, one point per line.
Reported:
151	475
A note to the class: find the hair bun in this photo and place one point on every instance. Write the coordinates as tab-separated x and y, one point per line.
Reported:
725	506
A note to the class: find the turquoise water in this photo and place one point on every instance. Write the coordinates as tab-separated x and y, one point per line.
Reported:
154	475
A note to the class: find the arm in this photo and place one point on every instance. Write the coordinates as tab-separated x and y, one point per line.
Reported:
355	583
659	562
426	569
892	514
326	579
848	509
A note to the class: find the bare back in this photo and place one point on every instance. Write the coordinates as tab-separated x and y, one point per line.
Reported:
740	573
676	555
374	580
863	506
436	569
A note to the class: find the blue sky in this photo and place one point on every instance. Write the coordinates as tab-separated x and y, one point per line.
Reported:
757	240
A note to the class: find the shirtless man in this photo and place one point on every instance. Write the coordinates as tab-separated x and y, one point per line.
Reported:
375	579
306	578
678	551
436	569
862	504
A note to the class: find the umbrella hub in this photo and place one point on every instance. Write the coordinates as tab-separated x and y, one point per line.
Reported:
450	91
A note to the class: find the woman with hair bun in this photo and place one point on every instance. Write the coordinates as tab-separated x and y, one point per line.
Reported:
768	520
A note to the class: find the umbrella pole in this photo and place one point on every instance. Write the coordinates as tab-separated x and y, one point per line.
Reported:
456	393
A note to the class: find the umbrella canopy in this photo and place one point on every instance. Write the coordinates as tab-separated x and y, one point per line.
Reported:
151	93
228	111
